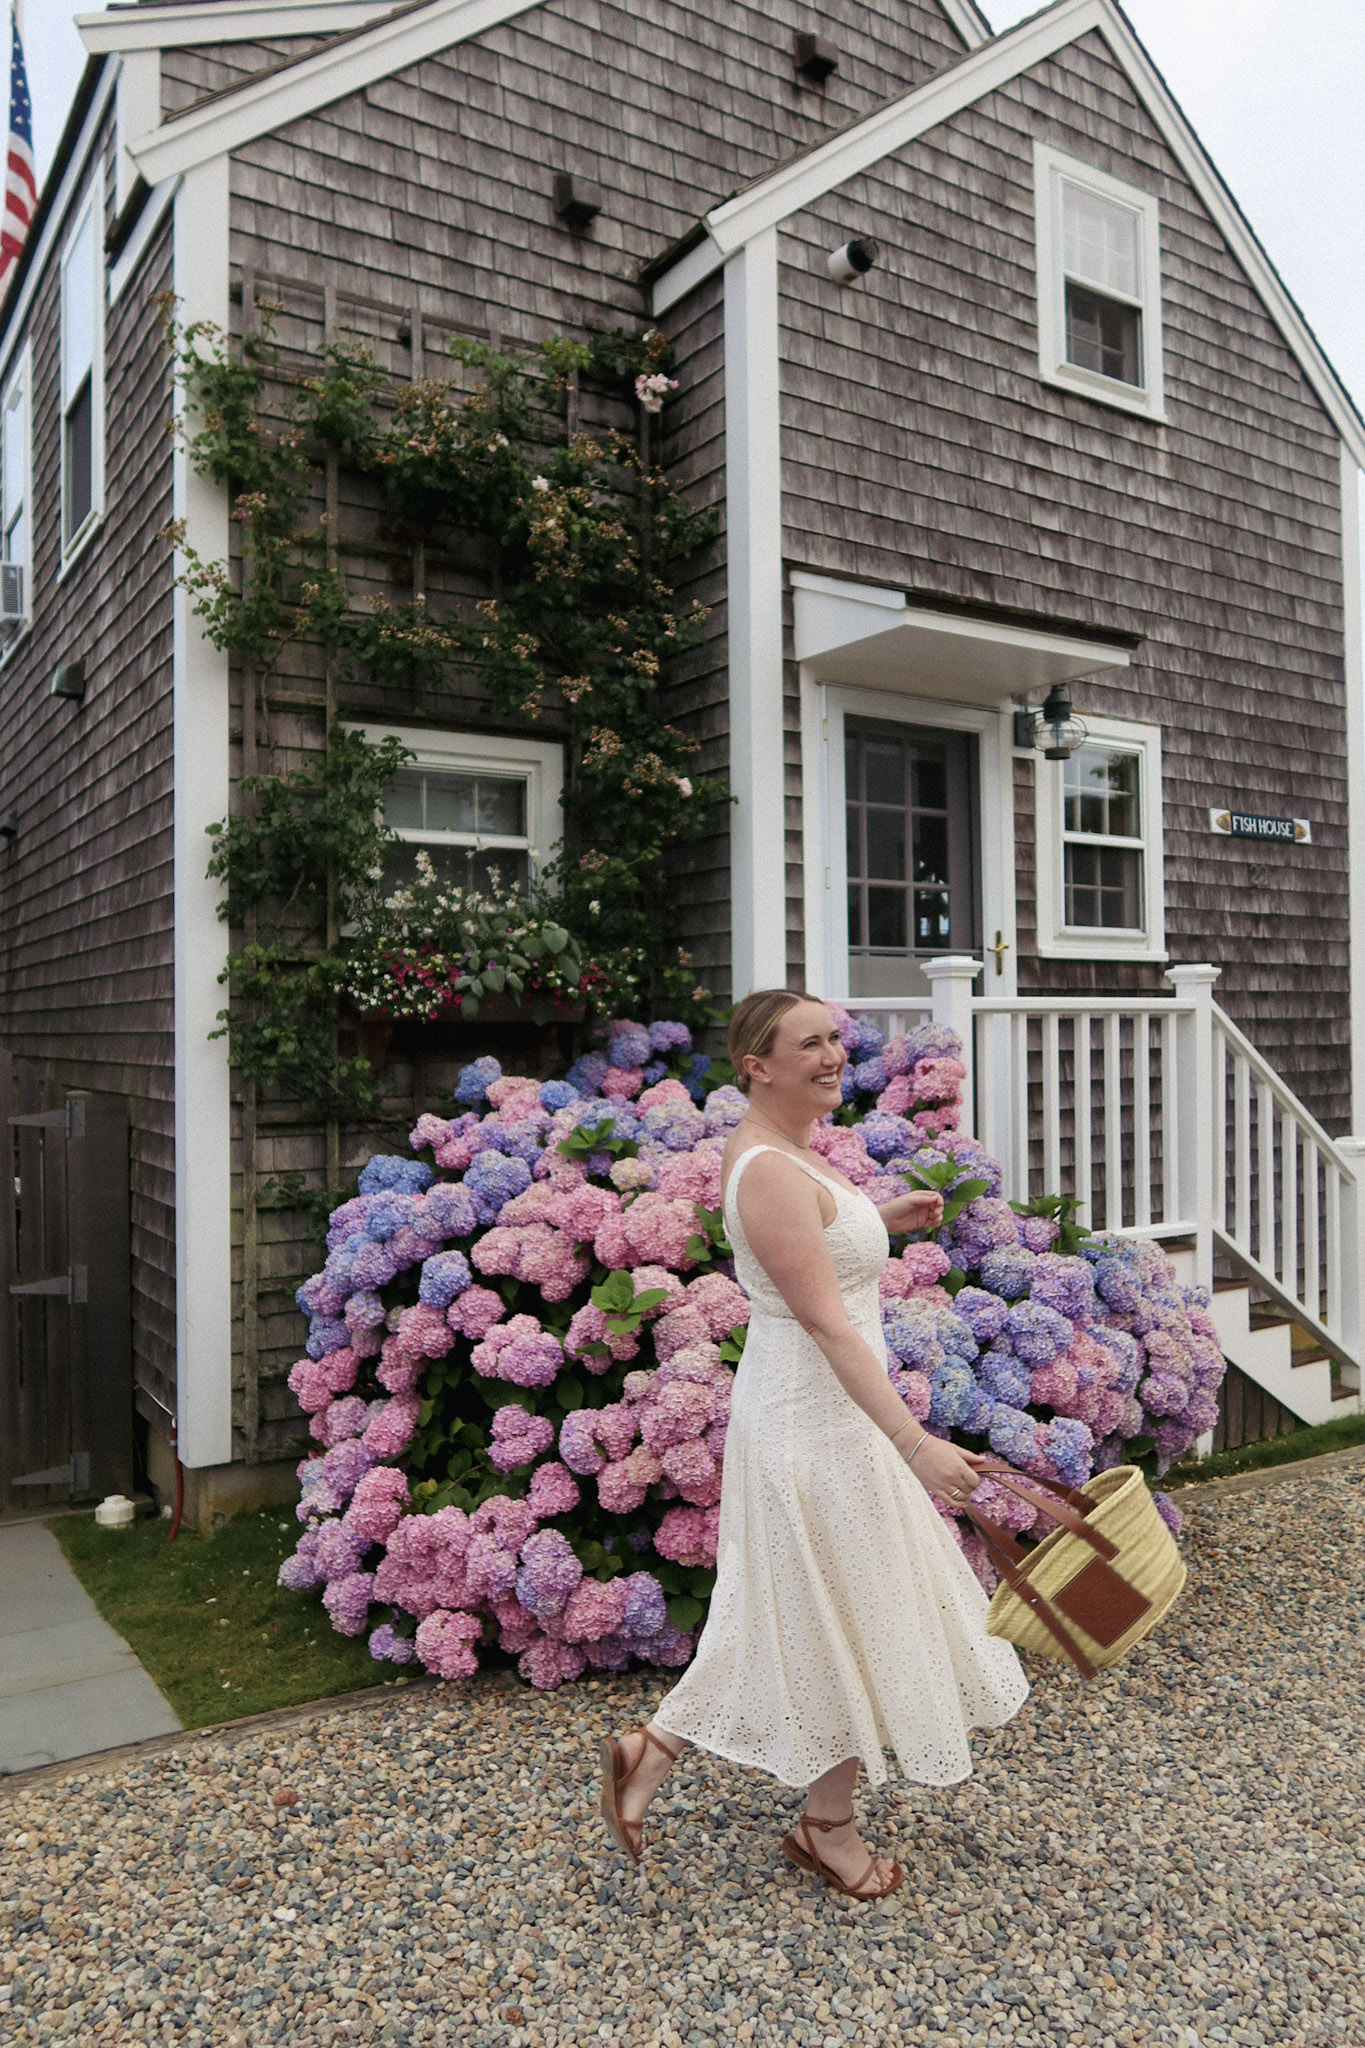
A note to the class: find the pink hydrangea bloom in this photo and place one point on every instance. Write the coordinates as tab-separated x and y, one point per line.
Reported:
589	1340
518	1438
521	1352
430	1130
554	1491
939	1080
475	1312
895	1058
510	1087
722	1304
391	1425
377	1504
445	1643
398	1370
945	1116
693	1471
1054	1385
652	1231
517	1629
898	1095
673	1414
664	1091
691	1177
916	1392
594	1611
845	1151
687	1536
681	1327
339	1420
424	1332
622	1485
548	1663
348	1602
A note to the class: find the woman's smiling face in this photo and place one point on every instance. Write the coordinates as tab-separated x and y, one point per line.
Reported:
802	1070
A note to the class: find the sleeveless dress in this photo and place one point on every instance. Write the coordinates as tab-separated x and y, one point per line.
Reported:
844	1617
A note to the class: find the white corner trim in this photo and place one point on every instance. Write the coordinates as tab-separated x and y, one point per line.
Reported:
1052	170
1353	607
1057	941
203	1110
138	108
135	248
229	21
272	101
753	522
685	275
55	229
969	21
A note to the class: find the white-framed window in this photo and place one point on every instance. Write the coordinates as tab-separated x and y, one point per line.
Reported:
82	371
15	494
1099	284
476	802
1099	840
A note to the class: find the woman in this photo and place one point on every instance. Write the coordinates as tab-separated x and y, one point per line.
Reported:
844	1614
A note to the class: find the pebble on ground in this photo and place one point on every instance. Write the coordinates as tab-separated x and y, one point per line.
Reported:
1175	1854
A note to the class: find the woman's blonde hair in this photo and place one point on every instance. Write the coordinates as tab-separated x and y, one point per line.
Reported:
753	1026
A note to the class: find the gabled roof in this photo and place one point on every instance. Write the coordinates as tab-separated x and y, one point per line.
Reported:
802	179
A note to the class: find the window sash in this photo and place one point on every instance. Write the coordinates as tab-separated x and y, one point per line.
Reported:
78	310
1074	198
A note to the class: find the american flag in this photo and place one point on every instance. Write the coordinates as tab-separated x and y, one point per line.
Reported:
21	182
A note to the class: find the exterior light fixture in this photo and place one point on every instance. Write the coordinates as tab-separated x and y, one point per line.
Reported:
814	58
852	260
577	204
68	680
8	830
1055	731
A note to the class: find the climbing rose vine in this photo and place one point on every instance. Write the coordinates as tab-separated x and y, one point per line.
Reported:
522	1345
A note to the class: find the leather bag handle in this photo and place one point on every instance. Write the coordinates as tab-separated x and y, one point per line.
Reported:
1071	1510
999	1545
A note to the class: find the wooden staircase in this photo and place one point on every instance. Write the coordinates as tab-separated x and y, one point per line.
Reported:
1273	1350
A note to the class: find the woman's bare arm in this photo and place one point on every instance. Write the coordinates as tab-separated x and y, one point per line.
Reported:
784	1213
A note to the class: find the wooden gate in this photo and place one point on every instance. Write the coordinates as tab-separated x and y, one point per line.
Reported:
66	1409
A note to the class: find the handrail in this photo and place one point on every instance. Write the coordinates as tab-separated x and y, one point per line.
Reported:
1281	1090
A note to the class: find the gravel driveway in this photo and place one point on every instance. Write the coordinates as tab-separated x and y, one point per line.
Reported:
1176	1854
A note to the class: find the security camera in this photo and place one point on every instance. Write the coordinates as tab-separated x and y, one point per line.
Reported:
852	261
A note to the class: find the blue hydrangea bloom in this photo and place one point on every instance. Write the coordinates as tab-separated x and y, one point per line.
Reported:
952	1393
1013	1435
669	1036
978	1419
327	1333
932	1042
492	1180
388	1647
389	1172
1038	1334
984	1314
628	1047
1065	1284
655	1071
474	1081
910	1332
646	1609
869	1076
443	1277
883	1135
557	1095
389	1214
694	1080
450	1209
1070	1445
1125	1349
848	1087
1007	1272
1004	1376
588	1073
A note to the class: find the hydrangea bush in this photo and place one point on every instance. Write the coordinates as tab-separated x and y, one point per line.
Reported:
522	1345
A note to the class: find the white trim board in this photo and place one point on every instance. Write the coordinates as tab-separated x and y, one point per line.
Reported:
278	97
772	200
203	1109
824	707
1055	939
449	749
228	21
1353	603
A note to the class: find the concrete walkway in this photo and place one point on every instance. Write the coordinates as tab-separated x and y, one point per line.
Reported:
68	1684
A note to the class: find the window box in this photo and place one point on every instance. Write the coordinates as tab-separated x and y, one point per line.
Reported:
1099	841
1099	285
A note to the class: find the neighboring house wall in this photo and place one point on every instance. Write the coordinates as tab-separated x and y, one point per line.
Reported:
86	886
922	451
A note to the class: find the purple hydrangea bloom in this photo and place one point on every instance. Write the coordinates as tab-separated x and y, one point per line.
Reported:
492	1180
984	1314
1070	1445
669	1036
986	1225
628	1046
848	1087
1064	1284
911	1334
1013	1435
883	1135
374	1265
1108	1453
1038	1334
694	1080
518	1438
388	1647
301	1573
981	1413
1118	1285
931	1042
953	1391
655	1071
723	1109
348	1602
607	1109
390	1213
347	1219
364	1310
343	1467
339	1550
443	1277
1039	1233
451	1209
390	1172
1169	1512
679	1125
324	1294
869	1076
646	1608
327	1333
587	1074
473	1082
577	1445
1164	1393
1004	1376
865	1041
1007	1272
1173	1439
1128	1353
557	1094
548	1573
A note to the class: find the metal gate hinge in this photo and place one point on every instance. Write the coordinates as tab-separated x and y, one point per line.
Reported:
70	1286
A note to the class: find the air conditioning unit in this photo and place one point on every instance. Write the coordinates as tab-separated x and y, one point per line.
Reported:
11	593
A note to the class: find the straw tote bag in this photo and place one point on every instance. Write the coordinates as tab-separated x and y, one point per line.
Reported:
1096	1585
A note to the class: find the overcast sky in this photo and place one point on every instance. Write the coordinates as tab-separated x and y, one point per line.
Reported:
1275	89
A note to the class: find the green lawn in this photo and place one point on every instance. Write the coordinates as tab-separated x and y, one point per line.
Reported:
1277	1450
204	1614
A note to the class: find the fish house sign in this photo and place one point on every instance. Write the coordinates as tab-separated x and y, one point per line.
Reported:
1252	825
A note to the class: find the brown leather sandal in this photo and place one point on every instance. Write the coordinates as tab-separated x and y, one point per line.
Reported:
809	1859
626	1834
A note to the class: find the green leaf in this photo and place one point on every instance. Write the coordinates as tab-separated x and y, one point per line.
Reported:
732	1347
615	1294
671	1577
701	1583
684	1611
953	1282
698	1249
961	1196
569	1391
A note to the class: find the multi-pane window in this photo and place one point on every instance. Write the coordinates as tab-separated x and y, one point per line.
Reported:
80	375
908	824
1102	839
1103	257
14	464
471	825
1099	284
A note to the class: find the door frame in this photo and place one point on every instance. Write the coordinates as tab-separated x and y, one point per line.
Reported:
824	708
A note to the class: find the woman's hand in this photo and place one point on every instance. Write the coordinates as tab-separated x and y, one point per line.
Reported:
944	1469
922	1209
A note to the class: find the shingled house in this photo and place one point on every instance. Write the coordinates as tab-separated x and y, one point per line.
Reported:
1002	404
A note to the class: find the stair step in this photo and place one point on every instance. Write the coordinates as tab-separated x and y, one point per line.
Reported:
1317	1356
1263	1318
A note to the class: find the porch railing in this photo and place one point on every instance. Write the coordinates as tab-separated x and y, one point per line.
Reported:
1162	1120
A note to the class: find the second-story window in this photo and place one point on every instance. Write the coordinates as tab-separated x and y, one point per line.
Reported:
14	495
82	376
1099	284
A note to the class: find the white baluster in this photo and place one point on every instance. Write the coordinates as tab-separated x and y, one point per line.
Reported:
1353	1247
1019	1089
1312	1245
1332	1192
1142	1122
1113	1122
1289	1203
1052	1107
1170	1119
1265	1173
1241	1125
1196	1110
1084	1162
1220	1129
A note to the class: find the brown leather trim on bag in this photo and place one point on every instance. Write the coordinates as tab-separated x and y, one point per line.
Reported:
1102	1602
996	1539
1071	1517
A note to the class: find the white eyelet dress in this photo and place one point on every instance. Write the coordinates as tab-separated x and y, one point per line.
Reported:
844	1618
